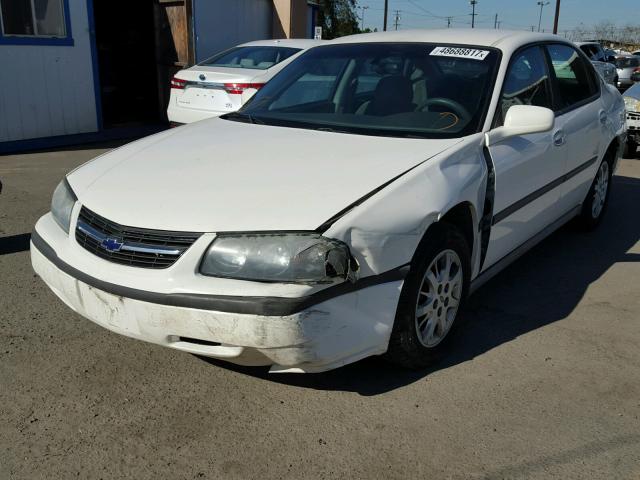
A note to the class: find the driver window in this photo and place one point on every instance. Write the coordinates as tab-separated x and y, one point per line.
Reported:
526	82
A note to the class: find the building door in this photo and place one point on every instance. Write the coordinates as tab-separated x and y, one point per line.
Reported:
139	45
173	40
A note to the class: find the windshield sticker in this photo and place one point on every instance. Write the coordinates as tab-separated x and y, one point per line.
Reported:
457	52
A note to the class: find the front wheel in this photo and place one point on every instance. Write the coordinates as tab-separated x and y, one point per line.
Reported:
597	199
433	294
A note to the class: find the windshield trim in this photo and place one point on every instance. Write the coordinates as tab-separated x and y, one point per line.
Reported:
483	110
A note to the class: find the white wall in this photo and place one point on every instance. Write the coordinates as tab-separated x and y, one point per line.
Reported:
222	24
48	90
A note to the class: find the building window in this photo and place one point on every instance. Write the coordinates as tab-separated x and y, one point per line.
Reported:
35	22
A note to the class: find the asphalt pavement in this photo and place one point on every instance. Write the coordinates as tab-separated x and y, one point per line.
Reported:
544	383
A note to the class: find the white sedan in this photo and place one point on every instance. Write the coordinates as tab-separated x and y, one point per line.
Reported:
226	81
348	210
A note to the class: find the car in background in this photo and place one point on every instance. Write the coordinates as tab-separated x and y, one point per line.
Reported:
636	53
632	107
224	82
626	66
602	63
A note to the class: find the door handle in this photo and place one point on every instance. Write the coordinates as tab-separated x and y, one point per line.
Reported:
559	138
603	117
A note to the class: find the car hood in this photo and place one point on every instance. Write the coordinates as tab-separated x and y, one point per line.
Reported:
220	175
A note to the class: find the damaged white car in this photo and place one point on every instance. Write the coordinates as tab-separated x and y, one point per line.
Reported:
348	209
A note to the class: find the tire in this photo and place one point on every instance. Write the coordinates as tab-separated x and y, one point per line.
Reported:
630	149
407	347
597	200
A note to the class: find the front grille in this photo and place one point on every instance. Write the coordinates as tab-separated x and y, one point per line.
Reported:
136	247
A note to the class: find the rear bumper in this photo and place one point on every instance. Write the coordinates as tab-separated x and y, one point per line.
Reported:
326	335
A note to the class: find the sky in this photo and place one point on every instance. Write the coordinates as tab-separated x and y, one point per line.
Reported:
512	14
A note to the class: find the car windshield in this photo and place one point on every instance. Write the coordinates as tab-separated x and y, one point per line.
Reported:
253	57
389	89
628	62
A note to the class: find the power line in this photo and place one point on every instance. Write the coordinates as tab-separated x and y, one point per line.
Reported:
473	4
362	18
386	14
557	17
542	5
396	21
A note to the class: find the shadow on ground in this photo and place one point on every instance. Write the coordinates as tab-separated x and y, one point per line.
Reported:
542	287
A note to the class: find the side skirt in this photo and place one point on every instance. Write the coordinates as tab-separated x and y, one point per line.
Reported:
507	260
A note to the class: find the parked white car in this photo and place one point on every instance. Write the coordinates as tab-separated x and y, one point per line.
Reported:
224	82
348	209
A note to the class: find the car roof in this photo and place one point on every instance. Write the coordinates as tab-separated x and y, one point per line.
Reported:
285	42
506	40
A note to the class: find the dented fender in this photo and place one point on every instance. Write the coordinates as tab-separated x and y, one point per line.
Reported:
385	230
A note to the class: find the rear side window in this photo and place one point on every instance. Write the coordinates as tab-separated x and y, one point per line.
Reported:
257	58
526	83
573	76
628	62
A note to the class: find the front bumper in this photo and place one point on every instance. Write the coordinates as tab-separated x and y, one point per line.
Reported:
323	336
633	127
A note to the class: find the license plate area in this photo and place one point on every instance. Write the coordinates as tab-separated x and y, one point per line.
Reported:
196	96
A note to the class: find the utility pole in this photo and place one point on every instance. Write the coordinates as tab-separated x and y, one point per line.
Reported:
396	21
542	5
555	21
386	14
533	28
495	22
363	10
449	22
473	4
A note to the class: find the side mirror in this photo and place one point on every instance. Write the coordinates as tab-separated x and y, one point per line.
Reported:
522	120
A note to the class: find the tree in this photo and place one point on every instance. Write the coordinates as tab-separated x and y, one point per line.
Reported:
338	18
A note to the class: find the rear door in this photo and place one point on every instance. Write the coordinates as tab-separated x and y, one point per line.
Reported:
580	113
527	167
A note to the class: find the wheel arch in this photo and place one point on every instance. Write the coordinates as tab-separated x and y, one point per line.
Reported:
462	216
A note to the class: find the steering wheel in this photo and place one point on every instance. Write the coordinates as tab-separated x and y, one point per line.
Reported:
452	105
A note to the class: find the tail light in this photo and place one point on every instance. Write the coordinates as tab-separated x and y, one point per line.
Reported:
636	70
178	83
239	88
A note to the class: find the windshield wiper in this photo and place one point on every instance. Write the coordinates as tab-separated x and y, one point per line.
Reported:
242	117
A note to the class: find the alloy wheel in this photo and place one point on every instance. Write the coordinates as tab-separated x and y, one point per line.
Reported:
600	190
439	298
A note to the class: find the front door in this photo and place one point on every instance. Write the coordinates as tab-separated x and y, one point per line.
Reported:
528	167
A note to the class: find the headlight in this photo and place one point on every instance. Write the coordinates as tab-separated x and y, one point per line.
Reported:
631	104
279	257
62	204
